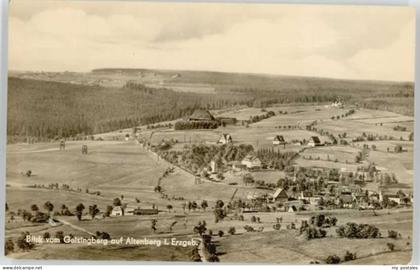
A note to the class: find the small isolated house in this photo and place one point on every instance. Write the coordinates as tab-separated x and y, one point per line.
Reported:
347	199
337	104
314	141
225	139
238	166
279	140
252	162
117	211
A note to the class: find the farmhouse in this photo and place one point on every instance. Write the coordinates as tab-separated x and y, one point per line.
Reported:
314	141
280	195
201	115
315	200
199	119
252	162
398	199
305	195
225	139
347	199
117	211
237	166
279	140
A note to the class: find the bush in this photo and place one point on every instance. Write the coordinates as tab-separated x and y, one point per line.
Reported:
313	233
392	234
60	236
359	231
195	256
398	148
232	230
220	233
103	235
349	256
9	247
333	259
323	221
40	217
390	246
249	228
22	243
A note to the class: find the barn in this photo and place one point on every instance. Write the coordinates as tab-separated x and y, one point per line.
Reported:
280	195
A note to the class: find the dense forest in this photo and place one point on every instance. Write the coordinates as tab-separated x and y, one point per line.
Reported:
48	110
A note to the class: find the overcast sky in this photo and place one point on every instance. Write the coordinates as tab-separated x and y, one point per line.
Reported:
375	43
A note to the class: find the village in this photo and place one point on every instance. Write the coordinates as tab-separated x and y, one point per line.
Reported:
234	172
301	188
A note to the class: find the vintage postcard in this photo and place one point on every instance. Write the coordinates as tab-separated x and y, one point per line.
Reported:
210	132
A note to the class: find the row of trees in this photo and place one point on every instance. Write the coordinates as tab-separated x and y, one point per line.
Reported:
182	125
337	117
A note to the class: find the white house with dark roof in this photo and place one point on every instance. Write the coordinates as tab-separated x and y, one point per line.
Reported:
279	140
314	141
225	139
252	162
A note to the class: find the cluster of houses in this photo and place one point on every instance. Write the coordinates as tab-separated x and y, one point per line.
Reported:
313	141
350	197
251	162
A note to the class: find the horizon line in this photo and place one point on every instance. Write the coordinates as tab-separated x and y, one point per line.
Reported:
225	72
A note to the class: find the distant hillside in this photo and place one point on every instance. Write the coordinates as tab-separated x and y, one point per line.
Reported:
42	107
266	90
227	81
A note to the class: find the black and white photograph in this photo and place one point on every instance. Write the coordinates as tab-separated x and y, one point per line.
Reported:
210	132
